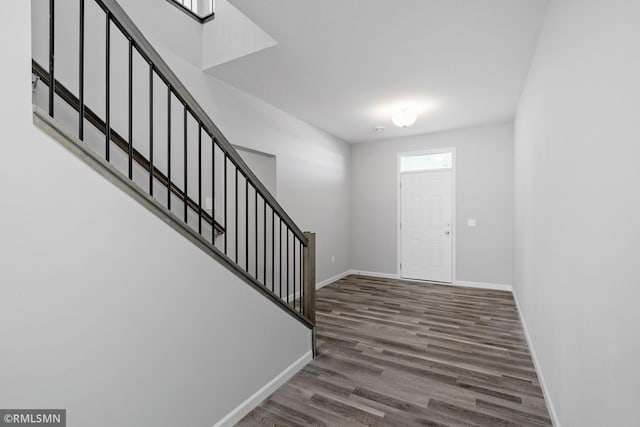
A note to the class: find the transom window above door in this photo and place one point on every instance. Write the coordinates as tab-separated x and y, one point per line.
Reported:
426	162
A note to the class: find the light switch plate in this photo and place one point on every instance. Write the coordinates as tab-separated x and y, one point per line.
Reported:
471	222
208	203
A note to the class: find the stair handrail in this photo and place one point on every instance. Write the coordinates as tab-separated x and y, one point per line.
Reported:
299	263
93	118
162	69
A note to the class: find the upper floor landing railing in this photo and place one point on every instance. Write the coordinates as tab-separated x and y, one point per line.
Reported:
200	10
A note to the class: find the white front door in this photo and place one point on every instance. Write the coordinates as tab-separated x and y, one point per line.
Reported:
426	225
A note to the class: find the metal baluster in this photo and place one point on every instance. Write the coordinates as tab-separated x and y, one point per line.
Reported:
256	218
287	236
236	194
301	281
226	231
108	89
186	219
264	242
130	109
52	45
81	74
151	167
280	257
213	190
293	241
246	223
273	250
169	147
200	180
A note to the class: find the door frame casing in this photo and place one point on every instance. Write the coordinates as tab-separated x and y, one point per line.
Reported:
454	201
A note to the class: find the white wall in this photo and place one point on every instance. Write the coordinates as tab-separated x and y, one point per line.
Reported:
263	165
484	191
104	309
181	33
231	35
577	205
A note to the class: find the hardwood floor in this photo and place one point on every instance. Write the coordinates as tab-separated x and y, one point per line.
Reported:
399	353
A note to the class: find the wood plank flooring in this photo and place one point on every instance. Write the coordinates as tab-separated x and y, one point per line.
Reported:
400	353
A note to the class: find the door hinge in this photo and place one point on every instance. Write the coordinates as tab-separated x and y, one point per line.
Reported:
400	226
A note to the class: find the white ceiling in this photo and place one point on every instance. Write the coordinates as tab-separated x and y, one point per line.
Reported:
345	65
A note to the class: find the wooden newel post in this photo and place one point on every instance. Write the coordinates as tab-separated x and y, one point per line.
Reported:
309	285
309	265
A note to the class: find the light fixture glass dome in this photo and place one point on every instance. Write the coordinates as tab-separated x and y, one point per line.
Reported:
404	118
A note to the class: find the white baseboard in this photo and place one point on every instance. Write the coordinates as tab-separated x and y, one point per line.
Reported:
322	284
332	279
480	285
375	274
247	406
292	297
545	391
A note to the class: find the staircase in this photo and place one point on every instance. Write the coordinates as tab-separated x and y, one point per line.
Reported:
142	129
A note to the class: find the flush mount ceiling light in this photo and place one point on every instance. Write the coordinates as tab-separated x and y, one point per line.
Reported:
404	118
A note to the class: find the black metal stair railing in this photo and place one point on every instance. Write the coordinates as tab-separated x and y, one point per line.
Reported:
272	242
198	10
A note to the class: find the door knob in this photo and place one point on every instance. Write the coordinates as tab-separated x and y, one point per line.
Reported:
447	232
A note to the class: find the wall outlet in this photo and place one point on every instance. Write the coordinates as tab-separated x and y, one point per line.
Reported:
333	260
471	222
